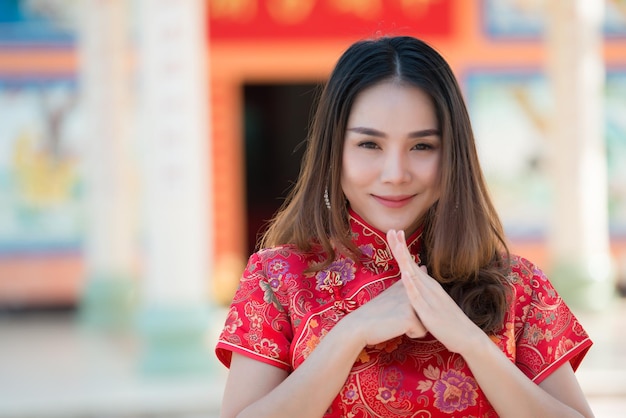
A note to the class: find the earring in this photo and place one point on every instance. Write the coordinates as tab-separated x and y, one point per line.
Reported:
326	199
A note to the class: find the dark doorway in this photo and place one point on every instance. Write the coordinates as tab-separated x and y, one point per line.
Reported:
276	119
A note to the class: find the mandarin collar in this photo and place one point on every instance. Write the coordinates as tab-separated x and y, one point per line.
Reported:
373	243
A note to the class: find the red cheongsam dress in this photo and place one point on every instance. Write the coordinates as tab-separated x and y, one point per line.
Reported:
280	313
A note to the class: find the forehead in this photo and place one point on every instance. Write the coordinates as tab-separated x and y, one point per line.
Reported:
392	104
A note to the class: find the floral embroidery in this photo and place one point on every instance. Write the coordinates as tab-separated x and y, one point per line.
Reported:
233	321
432	372
549	318
333	278
425	385
274	284
376	260
253	337
367	250
350	393
267	348
392	377
564	346
506	340
533	334
277	268
337	274
311	344
252	313
281	312
386	395
454	391
509	336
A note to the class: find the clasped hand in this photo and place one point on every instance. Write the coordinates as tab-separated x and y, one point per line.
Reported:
415	305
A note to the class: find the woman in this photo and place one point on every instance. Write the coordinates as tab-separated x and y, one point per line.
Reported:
339	316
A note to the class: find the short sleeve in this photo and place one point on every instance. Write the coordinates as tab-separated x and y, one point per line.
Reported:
547	332
257	324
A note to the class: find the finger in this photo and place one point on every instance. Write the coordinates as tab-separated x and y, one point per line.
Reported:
400	251
396	242
412	274
411	290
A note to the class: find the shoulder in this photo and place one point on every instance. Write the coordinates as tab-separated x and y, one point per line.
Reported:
532	287
284	257
524	271
531	284
282	262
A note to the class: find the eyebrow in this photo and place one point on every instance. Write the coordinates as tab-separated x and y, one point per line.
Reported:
374	132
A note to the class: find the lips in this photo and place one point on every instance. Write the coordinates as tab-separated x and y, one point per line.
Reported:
394	201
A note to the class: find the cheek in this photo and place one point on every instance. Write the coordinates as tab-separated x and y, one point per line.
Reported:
355	171
349	181
431	173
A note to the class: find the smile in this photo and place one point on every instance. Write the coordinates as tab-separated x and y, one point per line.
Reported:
393	201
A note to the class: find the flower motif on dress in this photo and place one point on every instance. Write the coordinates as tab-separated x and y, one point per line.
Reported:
349	394
506	340
386	395
549	318
376	259
337	274
232	321
311	344
533	334
253	337
392	377
313	341
432	373
367	250
424	385
455	391
252	310
550	291
267	348
274	284
564	346
276	268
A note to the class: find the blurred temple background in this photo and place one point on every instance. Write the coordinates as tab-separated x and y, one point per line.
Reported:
144	144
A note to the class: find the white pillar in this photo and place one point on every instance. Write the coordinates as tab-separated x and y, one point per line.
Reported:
173	106
579	240
104	76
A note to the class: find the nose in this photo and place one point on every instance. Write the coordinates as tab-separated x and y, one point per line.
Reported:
395	168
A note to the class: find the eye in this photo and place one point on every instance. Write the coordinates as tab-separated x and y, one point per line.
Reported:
422	147
368	145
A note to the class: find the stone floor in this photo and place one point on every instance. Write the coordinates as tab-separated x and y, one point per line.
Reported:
51	367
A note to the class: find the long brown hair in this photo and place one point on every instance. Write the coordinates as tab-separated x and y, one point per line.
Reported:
464	245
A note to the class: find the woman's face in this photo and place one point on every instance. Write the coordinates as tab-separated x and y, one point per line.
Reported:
391	156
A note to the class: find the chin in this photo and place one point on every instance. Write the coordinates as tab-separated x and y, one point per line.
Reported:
396	227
